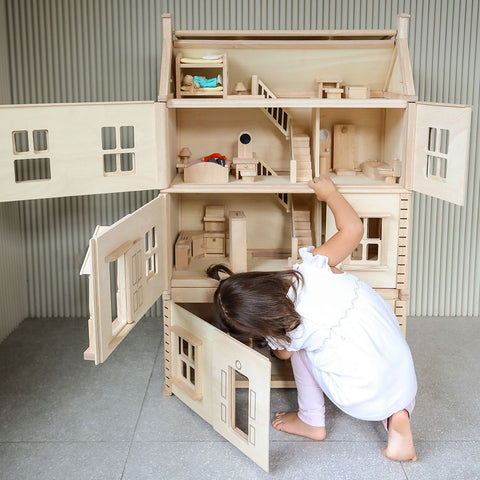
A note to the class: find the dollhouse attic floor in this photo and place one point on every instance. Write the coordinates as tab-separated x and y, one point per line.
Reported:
65	418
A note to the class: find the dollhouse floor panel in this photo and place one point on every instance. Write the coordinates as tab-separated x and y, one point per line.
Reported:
63	417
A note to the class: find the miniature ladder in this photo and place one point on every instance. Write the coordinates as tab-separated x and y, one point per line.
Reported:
279	116
302	156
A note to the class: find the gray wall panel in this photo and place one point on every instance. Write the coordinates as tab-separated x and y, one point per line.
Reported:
65	50
13	290
5	91
12	263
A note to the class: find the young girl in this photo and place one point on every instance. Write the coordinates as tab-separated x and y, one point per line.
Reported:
340	335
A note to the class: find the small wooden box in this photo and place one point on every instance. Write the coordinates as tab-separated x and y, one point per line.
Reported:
189	245
357	92
214	243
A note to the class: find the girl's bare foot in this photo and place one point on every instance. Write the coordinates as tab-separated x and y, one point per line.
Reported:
400	440
290	423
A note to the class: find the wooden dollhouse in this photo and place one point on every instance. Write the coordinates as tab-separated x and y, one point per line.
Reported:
243	120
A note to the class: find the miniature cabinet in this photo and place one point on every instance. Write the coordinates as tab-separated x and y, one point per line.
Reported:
241	195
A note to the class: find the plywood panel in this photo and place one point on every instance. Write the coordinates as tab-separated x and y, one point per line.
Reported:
206	131
352	66
90	148
274	227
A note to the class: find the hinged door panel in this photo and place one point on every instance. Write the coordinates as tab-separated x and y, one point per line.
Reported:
240	372
59	150
441	150
222	380
128	258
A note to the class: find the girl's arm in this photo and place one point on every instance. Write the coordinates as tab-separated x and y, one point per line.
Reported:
282	354
349	225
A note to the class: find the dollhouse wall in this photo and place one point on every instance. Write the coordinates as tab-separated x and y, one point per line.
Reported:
207	131
274	227
110	51
355	66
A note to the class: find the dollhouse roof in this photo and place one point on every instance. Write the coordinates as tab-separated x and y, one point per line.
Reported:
290	62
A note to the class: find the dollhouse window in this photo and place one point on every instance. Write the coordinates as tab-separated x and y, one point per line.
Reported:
437	168
29	169
151	253
186	373
242	409
118	144
36	167
437	153
40	141
369	250
20	141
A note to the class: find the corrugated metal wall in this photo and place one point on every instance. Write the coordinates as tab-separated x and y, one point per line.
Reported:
12	261
13	298
89	50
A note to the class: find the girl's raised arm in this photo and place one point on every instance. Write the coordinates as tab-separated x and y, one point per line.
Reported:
349	225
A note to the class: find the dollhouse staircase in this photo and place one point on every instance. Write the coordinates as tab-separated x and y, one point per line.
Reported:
301	154
301	225
279	116
265	170
301	165
301	229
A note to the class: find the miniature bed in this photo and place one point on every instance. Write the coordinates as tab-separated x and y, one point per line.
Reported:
205	67
205	172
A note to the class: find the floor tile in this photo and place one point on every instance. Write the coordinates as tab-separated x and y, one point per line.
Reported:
52	394
220	460
445	461
168	419
446	353
63	417
36	360
61	461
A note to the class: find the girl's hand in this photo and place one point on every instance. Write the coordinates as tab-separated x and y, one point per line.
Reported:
323	187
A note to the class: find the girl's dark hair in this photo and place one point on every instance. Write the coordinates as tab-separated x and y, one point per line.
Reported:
255	305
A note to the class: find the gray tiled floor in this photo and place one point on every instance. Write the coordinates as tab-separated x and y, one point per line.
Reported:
64	418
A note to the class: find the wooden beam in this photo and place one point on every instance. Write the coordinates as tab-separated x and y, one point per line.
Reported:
292	34
272	43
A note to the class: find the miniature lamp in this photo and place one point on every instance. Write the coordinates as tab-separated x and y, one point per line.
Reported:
240	88
185	154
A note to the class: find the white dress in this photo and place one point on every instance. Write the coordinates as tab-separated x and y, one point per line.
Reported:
352	339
